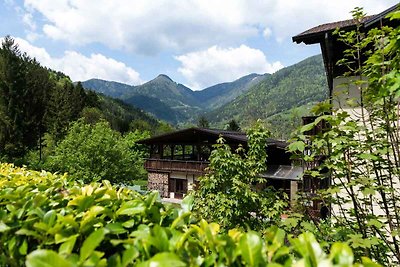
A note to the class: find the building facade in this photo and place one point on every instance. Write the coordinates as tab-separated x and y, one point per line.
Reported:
177	160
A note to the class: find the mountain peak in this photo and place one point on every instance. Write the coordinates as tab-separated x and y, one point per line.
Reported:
163	77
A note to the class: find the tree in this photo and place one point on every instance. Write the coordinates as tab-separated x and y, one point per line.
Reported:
233	126
23	92
228	193
203	122
97	152
361	148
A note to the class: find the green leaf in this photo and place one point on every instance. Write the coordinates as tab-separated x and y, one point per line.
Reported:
23	249
131	208
46	258
3	227
297	146
91	242
187	203
341	254
116	228
129	255
164	259
369	263
68	245
250	245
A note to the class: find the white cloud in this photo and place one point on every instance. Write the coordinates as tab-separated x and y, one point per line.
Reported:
215	65
267	32
148	27
80	67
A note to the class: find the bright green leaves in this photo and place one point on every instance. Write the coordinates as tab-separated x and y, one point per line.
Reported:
131	208
120	228
46	258
251	249
228	193
297	146
91	152
163	260
91	242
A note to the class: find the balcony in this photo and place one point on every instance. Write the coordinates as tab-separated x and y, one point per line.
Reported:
167	165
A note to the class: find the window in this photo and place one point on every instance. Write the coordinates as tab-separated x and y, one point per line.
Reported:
178	186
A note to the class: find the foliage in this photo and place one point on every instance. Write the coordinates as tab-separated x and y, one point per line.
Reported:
23	84
288	88
233	126
36	102
98	152
245	100
229	193
362	145
120	115
51	220
203	122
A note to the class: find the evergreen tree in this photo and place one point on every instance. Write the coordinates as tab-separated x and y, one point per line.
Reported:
203	122
233	126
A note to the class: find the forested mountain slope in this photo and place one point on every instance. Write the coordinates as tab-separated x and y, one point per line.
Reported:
280	98
108	88
292	87
220	94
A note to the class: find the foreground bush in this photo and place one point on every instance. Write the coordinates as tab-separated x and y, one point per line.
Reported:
96	152
47	220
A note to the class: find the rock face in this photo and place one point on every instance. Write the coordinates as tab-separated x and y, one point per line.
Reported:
158	181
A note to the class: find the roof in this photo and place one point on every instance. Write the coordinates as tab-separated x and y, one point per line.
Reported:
327	27
315	34
283	172
195	135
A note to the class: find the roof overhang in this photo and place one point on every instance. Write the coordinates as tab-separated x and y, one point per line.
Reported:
284	172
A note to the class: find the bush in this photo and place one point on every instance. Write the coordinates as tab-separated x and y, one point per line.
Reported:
95	152
51	220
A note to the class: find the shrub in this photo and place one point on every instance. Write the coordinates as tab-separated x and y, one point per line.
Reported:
51	220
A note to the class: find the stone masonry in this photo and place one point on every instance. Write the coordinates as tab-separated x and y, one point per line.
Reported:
158	181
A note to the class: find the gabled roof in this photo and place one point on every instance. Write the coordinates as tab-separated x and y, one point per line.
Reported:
316	34
311	35
202	135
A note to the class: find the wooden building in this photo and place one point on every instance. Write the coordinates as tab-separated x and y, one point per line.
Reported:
333	49
341	89
178	159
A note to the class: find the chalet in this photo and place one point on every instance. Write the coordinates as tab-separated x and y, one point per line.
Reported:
333	50
178	159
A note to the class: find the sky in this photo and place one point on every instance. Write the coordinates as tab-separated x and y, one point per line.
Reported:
198	43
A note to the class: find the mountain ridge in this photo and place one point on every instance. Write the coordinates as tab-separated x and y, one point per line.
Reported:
289	92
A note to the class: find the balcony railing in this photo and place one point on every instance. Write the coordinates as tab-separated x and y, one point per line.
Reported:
175	165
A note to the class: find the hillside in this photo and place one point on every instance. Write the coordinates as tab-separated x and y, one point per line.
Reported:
220	94
121	114
291	87
156	107
108	88
280	99
178	101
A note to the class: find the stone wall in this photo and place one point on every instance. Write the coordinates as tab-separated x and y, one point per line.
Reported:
158	181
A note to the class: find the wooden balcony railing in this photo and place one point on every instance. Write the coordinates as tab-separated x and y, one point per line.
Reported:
175	165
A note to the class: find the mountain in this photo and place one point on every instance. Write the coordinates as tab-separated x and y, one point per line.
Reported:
220	94
171	101
120	114
109	88
297	86
156	107
165	99
280	98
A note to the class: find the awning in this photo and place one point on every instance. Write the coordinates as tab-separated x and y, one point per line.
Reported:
284	172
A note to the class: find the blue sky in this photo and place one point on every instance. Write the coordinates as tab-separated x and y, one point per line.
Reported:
196	42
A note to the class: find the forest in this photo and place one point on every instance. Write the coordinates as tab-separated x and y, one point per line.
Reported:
68	154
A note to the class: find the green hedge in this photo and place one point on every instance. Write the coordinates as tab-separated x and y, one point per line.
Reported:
49	220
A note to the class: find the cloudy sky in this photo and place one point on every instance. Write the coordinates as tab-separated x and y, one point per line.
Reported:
196	42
